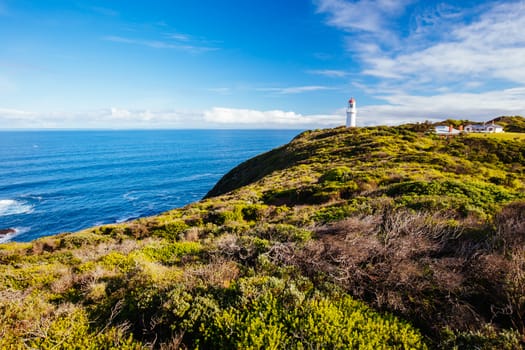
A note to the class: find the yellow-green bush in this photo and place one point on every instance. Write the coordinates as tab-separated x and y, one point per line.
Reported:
171	253
171	229
119	261
70	330
265	318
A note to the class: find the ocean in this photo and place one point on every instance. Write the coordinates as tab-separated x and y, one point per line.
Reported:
65	181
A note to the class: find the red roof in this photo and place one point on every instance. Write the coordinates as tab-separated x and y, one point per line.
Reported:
351	100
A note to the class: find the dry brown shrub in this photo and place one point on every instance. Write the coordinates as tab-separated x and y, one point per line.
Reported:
227	245
64	282
125	247
515	289
510	227
89	280
175	343
423	266
21	310
46	244
192	234
220	272
137	229
447	272
365	225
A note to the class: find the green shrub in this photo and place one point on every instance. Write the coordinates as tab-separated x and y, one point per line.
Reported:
31	276
334	213
71	330
171	230
271	314
472	195
172	253
224	216
284	233
486	338
119	261
339	174
253	212
80	239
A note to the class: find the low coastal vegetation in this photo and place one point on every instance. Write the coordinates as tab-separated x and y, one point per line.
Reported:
370	238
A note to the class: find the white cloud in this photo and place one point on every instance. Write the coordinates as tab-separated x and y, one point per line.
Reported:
491	48
179	36
147	118
120	113
361	15
442	49
397	108
296	89
122	118
408	108
453	61
331	73
168	43
14	114
102	118
272	119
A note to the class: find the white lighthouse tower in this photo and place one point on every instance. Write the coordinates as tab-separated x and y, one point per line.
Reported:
351	113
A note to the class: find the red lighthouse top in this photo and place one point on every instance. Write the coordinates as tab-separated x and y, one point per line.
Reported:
351	101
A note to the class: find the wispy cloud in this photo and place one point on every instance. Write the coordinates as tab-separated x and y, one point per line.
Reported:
361	15
331	73
169	41
180	36
458	58
296	89
493	47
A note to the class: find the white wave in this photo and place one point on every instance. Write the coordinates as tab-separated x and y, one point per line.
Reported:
123	219
13	207
131	196
10	236
31	196
196	177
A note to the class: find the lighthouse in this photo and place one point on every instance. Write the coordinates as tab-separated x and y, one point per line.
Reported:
351	113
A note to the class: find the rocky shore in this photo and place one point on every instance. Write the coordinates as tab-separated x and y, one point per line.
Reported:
6	231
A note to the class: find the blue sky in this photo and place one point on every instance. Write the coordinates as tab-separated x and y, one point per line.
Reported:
257	64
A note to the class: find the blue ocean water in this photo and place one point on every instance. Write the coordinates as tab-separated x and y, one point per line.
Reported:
63	181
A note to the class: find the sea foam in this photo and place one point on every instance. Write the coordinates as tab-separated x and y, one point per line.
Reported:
14	207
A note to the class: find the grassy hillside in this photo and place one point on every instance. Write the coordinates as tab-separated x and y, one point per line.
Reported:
344	238
511	123
512	136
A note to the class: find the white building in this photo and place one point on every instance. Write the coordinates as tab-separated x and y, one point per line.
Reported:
447	130
351	114
484	128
